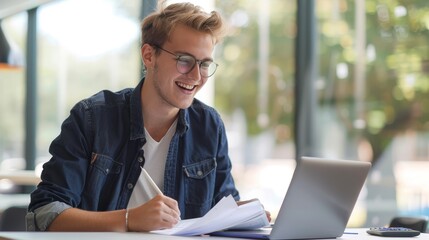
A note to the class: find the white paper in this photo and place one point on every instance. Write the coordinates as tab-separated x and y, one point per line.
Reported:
257	221
225	214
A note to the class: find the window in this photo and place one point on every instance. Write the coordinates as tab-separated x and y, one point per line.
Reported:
371	89
254	88
372	98
83	48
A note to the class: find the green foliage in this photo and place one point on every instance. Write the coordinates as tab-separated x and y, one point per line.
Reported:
396	86
237	81
395	94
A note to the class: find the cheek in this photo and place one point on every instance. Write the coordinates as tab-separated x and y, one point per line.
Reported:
201	85
203	82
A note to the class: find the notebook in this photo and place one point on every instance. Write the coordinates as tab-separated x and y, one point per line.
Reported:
318	203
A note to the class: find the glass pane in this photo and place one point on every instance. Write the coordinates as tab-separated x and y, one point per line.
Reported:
83	47
254	93
373	97
12	98
80	56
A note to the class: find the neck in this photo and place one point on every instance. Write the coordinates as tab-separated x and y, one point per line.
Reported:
157	115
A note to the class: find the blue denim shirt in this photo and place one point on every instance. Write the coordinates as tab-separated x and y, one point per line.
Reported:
96	159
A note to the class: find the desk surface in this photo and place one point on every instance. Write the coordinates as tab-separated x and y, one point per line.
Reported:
361	234
24	177
15	199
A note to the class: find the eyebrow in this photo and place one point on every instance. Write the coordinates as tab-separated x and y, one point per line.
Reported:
179	53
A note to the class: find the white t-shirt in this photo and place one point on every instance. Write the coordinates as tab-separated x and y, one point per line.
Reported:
155	154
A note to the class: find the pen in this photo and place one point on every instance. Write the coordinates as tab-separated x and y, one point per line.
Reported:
150	181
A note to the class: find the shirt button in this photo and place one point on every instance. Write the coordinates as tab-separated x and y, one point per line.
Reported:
199	173
130	185
140	159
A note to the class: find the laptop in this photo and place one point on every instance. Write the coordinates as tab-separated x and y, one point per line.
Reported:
318	203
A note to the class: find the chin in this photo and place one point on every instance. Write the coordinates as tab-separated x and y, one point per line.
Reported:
185	105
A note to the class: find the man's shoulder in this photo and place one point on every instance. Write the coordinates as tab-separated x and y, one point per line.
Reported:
104	105
108	98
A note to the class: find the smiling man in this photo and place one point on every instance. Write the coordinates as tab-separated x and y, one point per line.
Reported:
93	181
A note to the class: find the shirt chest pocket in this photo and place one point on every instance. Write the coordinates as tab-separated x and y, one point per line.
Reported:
199	184
201	169
103	173
104	165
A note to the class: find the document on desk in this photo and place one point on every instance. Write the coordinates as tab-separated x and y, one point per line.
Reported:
226	214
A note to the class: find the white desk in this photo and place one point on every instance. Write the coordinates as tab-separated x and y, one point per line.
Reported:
90	236
361	234
21	177
8	200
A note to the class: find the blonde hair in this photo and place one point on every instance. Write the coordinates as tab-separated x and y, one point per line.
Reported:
156	28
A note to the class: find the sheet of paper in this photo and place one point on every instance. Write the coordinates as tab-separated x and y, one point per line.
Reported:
197	226
257	221
225	214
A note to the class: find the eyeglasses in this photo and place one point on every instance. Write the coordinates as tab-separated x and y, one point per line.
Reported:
185	64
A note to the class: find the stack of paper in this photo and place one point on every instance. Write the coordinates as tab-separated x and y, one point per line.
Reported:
226	214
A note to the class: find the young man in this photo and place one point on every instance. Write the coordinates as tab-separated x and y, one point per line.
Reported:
93	181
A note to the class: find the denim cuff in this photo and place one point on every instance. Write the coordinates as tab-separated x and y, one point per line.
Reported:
42	217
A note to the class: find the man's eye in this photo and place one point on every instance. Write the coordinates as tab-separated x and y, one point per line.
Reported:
206	64
186	60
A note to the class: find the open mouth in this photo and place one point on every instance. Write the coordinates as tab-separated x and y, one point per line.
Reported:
186	86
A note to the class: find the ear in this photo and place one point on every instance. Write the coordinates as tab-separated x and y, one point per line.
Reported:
148	55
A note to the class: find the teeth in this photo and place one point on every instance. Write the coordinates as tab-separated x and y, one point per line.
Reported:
188	87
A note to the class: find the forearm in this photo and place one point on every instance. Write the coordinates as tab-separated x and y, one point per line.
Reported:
74	219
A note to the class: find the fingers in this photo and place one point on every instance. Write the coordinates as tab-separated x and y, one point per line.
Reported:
167	207
160	212
255	199
170	215
268	215
169	219
246	201
172	207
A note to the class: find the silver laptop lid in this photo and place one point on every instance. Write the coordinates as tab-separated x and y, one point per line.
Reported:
320	198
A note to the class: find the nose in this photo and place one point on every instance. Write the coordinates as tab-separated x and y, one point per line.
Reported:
195	73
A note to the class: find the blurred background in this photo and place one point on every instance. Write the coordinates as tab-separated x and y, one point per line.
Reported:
344	79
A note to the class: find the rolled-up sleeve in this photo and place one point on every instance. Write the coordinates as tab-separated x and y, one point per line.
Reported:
64	175
42	217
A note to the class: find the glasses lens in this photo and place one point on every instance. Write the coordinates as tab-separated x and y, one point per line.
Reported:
207	68
185	64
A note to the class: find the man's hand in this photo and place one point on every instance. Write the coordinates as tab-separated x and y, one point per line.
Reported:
255	199
159	213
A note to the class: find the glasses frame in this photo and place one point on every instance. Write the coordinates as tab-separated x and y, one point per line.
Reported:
200	62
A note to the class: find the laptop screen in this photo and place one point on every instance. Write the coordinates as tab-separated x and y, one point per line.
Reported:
320	198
